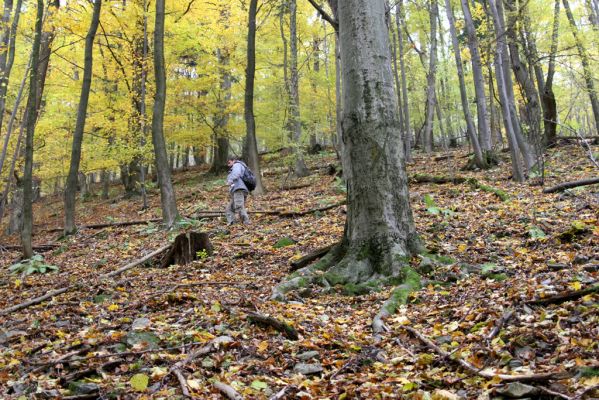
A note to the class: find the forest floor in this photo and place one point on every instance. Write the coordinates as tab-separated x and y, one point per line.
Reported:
130	335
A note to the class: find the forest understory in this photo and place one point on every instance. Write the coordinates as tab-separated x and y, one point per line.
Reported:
491	320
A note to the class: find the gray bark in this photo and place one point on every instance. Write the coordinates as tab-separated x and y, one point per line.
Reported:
250	122
470	129
407	132
27	227
548	96
222	136
167	192
379	229
431	98
484	133
71	186
295	120
586	65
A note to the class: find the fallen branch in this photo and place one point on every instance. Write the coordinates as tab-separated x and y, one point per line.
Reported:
57	292
182	382
282	393
561	298
485	374
287	330
569	185
474	183
111	224
312	211
308	258
499	325
227	391
39	247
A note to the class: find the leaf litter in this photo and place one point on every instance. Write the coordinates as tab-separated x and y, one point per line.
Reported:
489	261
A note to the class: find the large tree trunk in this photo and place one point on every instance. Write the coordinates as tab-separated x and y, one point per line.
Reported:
295	121
379	234
27	228
470	129
167	192
250	122
484	133
586	65
71	188
431	98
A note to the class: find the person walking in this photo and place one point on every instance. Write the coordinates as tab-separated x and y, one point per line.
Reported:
238	192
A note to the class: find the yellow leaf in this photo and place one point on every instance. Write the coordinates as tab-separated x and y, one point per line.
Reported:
17	283
263	346
139	382
113	307
575	285
462	248
194	384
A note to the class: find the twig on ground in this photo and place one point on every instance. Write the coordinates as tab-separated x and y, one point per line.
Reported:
228	391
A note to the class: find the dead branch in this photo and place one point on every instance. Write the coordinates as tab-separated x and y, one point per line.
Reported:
561	298
111	224
182	382
422	178
312	211
283	327
39	247
308	258
586	391
228	391
542	377
569	185
499	325
57	292
282	393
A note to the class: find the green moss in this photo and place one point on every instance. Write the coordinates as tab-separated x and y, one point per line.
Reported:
489	189
353	289
498	277
334	278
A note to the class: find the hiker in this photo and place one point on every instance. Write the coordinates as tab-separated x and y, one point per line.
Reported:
238	191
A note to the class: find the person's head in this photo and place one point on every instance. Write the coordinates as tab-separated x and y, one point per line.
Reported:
231	160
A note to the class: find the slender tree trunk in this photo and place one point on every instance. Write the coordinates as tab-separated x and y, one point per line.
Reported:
143	106
548	97
167	192
586	65
71	187
470	130
27	228
407	130
593	7
427	137
295	121
484	133
250	122
532	104
7	52
395	65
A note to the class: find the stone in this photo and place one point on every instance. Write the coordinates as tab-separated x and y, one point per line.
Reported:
83	387
140	324
307	355
307	369
517	390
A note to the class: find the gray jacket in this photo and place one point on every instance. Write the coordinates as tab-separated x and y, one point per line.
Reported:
234	178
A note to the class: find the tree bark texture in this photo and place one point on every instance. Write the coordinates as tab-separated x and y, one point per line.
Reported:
295	122
431	98
167	192
470	129
379	229
407	132
71	187
251	143
26	229
586	65
484	133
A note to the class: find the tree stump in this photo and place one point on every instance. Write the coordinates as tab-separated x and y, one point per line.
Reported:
186	247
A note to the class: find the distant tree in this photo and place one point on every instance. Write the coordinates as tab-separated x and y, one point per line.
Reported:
71	187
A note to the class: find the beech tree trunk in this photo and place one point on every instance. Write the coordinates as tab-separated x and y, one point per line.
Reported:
586	65
27	228
379	230
548	97
431	98
71	187
167	192
7	55
251	143
484	133
470	129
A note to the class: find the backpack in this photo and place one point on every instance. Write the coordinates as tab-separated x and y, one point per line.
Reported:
248	177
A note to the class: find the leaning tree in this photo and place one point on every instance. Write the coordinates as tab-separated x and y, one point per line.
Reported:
379	236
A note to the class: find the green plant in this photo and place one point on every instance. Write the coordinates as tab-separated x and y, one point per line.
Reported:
202	254
34	265
432	208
